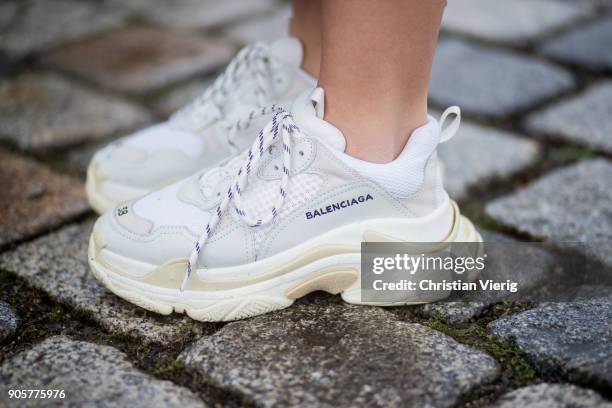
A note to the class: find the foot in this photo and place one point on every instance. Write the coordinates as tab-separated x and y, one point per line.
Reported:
202	134
284	218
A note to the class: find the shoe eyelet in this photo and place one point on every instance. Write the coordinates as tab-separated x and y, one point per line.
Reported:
276	167
301	153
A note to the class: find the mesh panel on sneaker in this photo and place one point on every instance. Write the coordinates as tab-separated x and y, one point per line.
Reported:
261	196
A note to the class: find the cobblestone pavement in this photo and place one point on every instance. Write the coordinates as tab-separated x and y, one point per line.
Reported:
533	161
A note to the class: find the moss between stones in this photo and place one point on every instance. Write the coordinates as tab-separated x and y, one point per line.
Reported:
486	222
569	154
516	370
168	369
42	317
57	313
506	353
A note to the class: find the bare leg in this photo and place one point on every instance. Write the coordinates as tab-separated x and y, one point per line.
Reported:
306	24
376	60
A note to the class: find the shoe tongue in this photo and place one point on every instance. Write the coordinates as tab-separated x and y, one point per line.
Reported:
288	50
308	111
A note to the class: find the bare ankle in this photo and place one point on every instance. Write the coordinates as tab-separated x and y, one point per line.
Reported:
376	139
305	24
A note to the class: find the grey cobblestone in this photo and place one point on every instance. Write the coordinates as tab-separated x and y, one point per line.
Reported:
9	320
90	375
320	351
512	21
57	264
478	155
77	160
584	119
469	75
536	271
197	14
42	111
35	198
552	396
8	12
143	58
327	353
568	205
40	24
571	337
588	45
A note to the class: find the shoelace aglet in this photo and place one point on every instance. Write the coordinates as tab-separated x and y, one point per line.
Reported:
185	281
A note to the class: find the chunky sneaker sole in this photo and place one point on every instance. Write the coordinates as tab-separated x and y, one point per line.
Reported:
284	218
330	263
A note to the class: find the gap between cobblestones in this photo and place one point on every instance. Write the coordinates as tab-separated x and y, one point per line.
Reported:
74	220
145	101
599	11
582	75
554	153
512	123
49	155
516	369
42	318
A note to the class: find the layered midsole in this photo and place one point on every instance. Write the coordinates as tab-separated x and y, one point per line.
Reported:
334	251
276	287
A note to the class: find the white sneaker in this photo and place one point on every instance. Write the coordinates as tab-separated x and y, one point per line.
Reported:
199	136
282	219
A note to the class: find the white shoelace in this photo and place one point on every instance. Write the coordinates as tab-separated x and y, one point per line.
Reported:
252	59
245	122
282	125
210	178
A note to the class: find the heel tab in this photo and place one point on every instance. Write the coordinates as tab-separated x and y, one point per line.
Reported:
317	98
447	133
